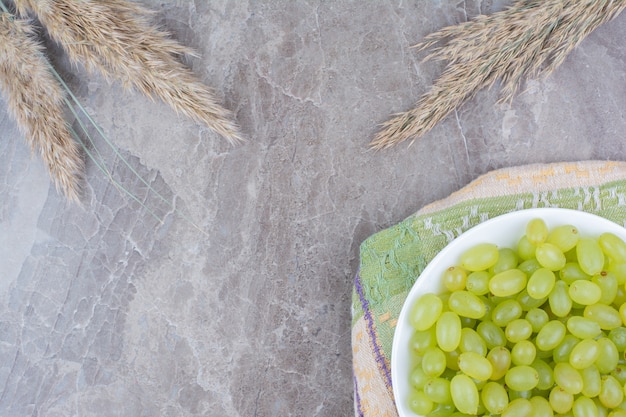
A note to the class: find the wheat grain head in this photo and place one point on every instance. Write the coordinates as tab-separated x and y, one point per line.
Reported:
35	100
116	38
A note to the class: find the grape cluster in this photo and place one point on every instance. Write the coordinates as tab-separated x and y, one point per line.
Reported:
538	330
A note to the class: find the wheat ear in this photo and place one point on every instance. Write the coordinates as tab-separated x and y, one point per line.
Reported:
117	38
35	100
528	39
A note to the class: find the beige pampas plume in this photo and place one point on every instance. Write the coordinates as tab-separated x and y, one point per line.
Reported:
531	38
117	38
36	101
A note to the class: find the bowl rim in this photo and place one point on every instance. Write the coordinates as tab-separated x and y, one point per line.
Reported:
504	230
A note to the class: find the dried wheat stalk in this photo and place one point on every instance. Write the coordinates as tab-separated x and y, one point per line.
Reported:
36	101
529	39
117	38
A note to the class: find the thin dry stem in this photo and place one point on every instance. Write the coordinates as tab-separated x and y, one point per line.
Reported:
117	38
529	39
35	100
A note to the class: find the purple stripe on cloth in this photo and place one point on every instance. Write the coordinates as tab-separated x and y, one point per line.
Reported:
380	359
359	410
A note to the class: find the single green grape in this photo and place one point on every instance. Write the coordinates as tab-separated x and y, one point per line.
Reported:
507	283
521	378
612	393
564	237
454	278
438	391
541	283
448	331
536	231
480	257
422	339
559	299
544	371
505	312
425	311
472	342
537	317
584	354
418	377
523	353
550	256
607	317
525	249
560	400
475	366
527	302
618	337
442	410
568	378
584	407
419	403
584	292
500	358
507	259
609	356
518	408
494	397
592	381
465	394
583	327
619	270
478	282
608	285
491	334
518	330
550	336
613	247
434	362
572	272
529	266
541	407
466	304
590	256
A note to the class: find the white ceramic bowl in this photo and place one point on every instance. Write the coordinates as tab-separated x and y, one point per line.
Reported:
504	231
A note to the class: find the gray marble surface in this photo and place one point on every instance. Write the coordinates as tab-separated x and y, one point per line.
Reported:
228	293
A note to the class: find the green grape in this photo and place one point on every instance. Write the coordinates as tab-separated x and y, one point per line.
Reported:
480	257
583	327
541	283
491	334
537	318
434	362
507	283
618	337
425	311
550	336
606	316
520	394
523	353
527	302
560	400
529	266
507	259
609	356
619	372
422	339
520	407
494	397
612	393
442	410
546	377
619	270
584	354
464	394
572	272
518	330
448	331
559	299
562	352
466	304
500	359
478	282
541	407
592	381
419	403
590	256
505	312
564	237
608	285
438	391
568	378
418	377
617	413
472	342
454	278
550	256
613	246
521	378
452	359
584	292
584	407
536	231
525	249
475	366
